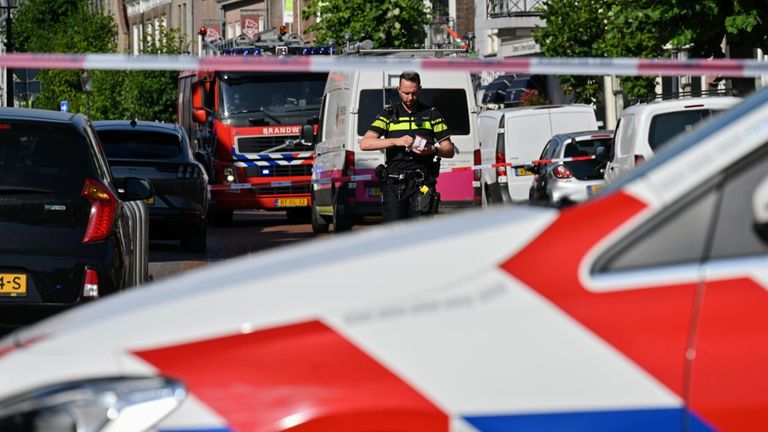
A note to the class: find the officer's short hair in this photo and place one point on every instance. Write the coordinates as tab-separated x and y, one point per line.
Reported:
411	76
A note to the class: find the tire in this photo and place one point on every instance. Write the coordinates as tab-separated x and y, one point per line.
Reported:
341	221
220	217
196	241
319	224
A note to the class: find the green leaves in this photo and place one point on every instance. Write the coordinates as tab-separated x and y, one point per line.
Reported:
70	27
643	28
390	23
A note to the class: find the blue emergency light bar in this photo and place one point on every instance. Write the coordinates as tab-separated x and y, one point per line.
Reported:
253	51
242	51
318	50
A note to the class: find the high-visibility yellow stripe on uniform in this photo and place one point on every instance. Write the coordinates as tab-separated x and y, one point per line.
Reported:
399	126
380	124
439	128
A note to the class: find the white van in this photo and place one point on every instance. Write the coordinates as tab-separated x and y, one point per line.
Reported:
352	101
644	128
517	136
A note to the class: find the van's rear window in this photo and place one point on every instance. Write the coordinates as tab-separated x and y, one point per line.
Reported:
664	127
49	157
452	104
121	144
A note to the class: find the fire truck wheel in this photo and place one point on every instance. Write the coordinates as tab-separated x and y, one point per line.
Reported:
319	224
220	217
341	221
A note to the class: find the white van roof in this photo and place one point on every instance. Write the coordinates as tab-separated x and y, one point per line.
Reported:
529	110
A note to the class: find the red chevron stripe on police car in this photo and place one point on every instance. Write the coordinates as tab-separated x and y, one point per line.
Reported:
304	368
651	325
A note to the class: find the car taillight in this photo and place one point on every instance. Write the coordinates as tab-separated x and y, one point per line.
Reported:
103	207
349	163
501	171
639	159
478	159
91	284
562	172
187	171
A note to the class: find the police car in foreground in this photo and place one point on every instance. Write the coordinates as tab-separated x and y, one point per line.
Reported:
656	319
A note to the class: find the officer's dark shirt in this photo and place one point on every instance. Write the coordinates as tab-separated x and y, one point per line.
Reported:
395	121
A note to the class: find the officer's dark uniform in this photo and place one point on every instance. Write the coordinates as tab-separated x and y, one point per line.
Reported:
409	180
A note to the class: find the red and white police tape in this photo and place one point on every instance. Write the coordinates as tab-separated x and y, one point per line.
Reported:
267	182
322	63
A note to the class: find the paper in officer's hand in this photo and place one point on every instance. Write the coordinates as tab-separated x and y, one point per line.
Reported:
419	142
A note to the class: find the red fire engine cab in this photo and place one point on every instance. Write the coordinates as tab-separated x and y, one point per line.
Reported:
248	127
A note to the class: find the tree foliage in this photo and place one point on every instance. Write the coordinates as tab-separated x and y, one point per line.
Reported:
648	29
389	23
70	27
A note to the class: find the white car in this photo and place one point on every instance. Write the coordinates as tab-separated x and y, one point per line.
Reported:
517	136
644	308
644	128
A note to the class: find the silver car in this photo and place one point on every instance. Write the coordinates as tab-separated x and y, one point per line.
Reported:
570	168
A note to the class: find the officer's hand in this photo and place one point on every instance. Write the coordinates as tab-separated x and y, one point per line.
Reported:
404	141
424	151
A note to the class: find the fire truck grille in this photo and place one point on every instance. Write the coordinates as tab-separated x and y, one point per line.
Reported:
263	143
303	189
279	171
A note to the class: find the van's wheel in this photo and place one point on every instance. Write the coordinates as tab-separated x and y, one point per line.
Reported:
319	224
341	221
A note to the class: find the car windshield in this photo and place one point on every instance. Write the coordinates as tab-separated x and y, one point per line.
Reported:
664	127
39	158
249	93
130	144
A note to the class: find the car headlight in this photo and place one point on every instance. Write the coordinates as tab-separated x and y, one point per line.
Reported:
104	405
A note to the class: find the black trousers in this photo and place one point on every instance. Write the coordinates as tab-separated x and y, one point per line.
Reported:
402	199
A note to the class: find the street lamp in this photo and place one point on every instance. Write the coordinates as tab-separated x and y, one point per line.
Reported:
86	81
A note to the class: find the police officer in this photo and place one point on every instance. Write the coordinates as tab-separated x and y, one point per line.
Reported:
415	137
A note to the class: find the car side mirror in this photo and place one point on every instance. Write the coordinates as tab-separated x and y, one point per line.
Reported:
137	188
308	134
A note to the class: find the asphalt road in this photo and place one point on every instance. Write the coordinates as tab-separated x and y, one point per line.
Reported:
252	231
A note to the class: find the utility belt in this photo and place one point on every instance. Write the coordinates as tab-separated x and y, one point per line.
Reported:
420	183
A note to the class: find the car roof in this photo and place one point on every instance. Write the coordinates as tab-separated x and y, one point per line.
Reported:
34	114
678	104
564	107
141	125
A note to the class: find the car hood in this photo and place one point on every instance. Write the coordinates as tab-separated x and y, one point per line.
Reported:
293	284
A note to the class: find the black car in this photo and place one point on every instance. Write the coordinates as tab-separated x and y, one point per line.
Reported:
162	153
66	233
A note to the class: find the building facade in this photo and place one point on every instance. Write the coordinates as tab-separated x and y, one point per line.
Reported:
504	28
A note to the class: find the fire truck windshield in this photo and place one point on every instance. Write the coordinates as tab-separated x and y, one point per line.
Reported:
269	94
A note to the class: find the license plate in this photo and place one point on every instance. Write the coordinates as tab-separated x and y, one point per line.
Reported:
292	202
522	172
374	191
13	285
593	189
150	201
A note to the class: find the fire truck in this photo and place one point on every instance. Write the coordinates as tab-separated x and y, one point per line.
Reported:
248	125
